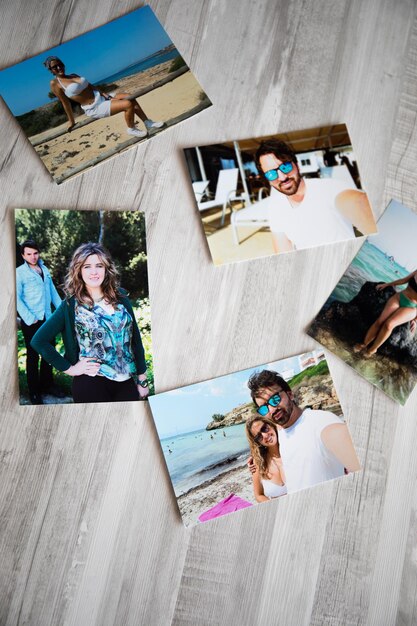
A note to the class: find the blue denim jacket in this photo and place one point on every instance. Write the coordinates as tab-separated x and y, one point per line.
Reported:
34	295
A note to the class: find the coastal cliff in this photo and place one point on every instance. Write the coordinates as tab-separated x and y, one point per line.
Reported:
239	415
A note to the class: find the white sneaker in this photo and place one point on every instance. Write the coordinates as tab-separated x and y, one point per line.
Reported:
136	132
151	124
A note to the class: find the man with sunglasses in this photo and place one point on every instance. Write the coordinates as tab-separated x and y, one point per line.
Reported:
315	446
307	212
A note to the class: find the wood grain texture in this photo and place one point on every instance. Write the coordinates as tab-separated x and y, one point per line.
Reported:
90	533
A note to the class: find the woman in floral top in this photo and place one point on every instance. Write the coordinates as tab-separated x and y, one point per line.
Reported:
103	348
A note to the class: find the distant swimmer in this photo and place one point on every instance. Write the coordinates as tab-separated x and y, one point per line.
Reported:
224	434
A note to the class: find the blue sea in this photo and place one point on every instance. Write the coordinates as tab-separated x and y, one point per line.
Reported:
204	454
370	264
141	66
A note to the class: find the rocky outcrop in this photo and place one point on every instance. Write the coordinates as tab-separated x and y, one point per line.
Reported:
239	415
349	321
317	393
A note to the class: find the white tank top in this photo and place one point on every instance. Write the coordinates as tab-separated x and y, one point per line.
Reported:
272	490
74	89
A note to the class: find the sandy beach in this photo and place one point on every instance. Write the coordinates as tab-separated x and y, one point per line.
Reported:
88	145
199	499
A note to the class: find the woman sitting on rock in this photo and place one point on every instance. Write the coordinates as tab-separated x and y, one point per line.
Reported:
399	309
93	102
265	463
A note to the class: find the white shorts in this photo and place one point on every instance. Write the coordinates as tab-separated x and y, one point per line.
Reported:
99	108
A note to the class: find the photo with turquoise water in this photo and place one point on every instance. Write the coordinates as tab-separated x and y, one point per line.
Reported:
370	264
389	256
202	427
200	455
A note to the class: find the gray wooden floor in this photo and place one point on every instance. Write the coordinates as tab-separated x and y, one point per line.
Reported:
89	529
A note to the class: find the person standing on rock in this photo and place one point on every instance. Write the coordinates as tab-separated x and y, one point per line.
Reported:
315	446
399	309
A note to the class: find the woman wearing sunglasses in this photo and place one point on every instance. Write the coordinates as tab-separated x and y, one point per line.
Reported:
399	309
94	103
103	348
268	477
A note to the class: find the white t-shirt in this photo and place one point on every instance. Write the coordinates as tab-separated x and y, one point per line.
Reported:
315	220
305	458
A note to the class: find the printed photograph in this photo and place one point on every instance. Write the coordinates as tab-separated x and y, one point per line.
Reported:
83	312
253	436
369	319
93	97
279	193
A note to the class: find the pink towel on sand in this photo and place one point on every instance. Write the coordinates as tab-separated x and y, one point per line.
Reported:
229	505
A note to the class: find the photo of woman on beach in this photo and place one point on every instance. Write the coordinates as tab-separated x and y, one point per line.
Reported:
268	477
97	339
95	103
366	321
102	82
106	356
208	430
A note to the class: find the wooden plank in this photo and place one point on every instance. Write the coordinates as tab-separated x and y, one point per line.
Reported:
89	528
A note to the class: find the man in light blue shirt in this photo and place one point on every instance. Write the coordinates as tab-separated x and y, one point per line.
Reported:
35	294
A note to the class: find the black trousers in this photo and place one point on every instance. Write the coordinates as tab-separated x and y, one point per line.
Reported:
101	389
39	378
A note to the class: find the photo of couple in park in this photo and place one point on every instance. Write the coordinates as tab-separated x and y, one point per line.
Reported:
93	97
83	313
253	436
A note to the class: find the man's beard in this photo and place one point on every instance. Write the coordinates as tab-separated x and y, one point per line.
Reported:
282	416
289	190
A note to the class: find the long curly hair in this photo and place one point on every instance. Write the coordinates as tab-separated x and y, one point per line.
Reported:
74	284
259	452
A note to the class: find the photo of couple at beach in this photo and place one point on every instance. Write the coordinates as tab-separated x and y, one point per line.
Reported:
370	318
279	193
92	97
253	436
83	313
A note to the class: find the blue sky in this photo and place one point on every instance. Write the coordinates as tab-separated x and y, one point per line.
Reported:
397	235
96	55
191	408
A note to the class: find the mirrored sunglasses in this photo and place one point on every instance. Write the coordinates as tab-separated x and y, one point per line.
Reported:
285	168
273	401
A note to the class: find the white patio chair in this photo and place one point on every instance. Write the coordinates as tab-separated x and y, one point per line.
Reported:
225	192
200	188
255	215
